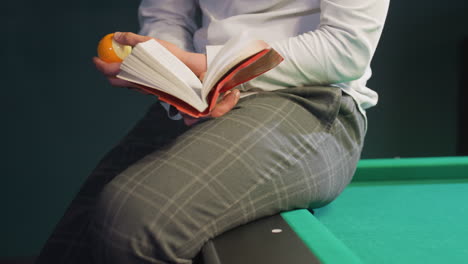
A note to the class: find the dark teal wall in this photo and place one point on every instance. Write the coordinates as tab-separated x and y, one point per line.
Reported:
417	76
59	115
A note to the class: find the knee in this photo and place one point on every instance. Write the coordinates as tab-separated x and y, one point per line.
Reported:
117	211
119	227
129	226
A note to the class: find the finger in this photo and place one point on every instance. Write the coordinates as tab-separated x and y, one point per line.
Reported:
114	81
140	88
189	121
129	38
226	104
202	76
227	93
108	69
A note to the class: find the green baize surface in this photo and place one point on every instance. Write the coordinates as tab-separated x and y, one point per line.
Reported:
420	217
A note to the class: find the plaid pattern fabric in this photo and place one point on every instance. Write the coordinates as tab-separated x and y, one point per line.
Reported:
166	189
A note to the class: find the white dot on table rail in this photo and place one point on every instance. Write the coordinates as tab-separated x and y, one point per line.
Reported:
276	231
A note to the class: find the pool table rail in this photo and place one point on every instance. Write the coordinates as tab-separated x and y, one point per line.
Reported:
433	168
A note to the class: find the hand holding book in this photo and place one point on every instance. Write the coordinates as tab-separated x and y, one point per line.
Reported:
160	68
111	55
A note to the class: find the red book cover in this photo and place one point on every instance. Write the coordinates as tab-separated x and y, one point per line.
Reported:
242	72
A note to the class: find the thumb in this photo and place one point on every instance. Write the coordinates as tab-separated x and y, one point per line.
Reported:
129	38
226	104
202	76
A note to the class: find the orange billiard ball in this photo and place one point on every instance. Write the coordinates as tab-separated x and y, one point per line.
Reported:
111	51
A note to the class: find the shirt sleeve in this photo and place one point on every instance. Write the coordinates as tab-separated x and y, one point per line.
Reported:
171	20
339	50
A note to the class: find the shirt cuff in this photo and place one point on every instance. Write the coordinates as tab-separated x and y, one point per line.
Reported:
172	112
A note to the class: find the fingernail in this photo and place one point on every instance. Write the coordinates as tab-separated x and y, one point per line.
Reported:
237	93
117	35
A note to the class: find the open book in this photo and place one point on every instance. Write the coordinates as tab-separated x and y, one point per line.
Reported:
163	74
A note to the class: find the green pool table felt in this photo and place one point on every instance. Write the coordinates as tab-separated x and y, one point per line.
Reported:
404	211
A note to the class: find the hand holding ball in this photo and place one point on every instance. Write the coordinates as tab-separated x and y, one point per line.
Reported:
111	51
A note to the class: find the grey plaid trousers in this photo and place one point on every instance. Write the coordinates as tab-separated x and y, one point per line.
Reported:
166	189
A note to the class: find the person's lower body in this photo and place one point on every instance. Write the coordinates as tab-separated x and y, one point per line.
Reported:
158	199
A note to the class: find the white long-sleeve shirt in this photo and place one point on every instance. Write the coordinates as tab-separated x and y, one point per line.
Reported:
324	42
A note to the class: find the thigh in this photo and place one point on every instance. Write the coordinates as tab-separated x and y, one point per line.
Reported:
275	151
69	241
151	132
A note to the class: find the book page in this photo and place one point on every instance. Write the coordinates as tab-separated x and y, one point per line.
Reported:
244	71
137	71
162	57
211	52
236	50
152	65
